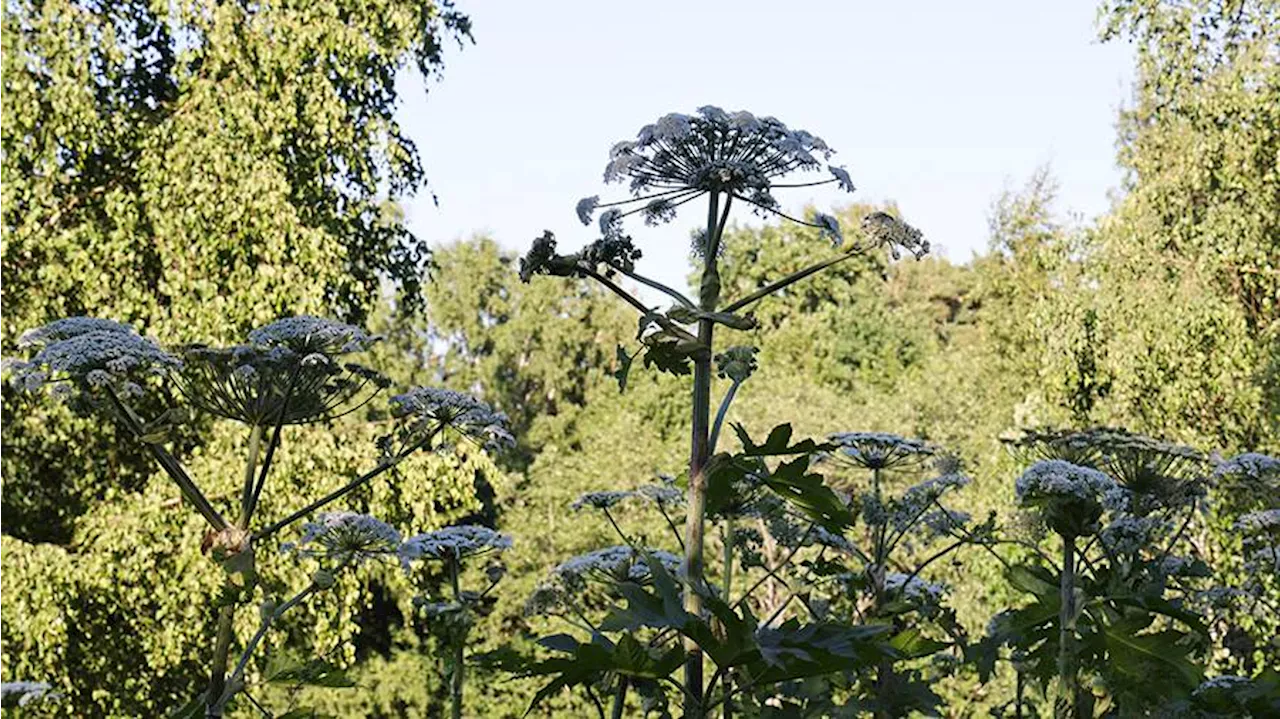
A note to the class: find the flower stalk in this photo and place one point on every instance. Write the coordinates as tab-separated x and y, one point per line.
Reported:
1066	703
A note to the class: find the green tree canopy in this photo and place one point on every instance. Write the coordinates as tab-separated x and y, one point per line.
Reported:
196	168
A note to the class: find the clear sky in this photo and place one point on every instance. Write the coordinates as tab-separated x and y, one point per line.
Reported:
939	106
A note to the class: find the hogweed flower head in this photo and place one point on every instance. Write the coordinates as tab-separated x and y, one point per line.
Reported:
346	538
1156	473
1069	496
261	385
80	356
885	229
602	499
830	227
23	693
681	157
912	588
612	565
943	522
426	410
454	543
1252	467
1265	522
306	335
1126	535
912	505
67	328
666	494
881	450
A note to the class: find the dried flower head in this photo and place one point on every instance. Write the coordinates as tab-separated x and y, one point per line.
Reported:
881	450
346	538
885	229
454	543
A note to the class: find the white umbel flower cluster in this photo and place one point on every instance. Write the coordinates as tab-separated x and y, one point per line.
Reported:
1261	533
924	493
714	150
603	499
617	563
67	328
84	353
454	543
1127	535
1252	466
1057	478
664	495
23	693
912	588
1266	521
306	335
1223	683
430	408
346	537
881	450
681	157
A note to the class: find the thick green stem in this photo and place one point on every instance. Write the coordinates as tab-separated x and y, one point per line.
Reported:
274	444
726	678
884	674
250	474
218	670
790	279
619	698
698	455
459	649
171	465
345	489
237	676
1065	704
720	415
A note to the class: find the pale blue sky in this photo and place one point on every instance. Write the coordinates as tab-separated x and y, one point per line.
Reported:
938	106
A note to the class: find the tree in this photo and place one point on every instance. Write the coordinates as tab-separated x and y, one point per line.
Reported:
196	169
1191	254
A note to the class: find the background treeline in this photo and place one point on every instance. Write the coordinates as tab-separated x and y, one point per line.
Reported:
204	180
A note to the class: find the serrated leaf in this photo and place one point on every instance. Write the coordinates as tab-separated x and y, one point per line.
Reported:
314	672
560	643
777	443
806	492
913	644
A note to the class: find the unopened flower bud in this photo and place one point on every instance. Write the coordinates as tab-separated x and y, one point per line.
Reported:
323	579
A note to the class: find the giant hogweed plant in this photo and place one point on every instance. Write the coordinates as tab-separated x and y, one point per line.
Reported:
876	631
291	372
672	613
1120	622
